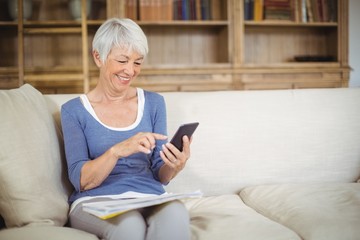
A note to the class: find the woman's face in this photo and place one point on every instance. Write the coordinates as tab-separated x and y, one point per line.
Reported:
120	68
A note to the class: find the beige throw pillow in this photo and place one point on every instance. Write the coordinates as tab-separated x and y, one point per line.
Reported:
31	192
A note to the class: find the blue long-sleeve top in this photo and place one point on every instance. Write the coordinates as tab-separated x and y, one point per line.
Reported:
86	138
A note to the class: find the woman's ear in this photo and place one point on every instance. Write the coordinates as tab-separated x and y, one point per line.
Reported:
97	58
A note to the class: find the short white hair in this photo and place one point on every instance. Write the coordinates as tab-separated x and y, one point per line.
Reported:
116	32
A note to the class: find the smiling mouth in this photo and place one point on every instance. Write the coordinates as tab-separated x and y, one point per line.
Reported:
123	78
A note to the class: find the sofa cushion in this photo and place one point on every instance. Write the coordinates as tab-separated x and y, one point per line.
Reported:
314	211
30	166
227	217
45	233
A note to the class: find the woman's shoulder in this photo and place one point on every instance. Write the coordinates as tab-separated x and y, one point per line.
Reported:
153	95
72	104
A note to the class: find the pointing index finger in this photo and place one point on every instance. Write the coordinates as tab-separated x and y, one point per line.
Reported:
158	136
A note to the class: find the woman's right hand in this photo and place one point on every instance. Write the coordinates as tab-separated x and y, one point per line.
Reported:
143	142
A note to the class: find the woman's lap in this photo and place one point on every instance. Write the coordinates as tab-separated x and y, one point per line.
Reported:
166	221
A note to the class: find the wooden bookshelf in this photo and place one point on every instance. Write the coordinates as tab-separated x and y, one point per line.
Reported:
51	50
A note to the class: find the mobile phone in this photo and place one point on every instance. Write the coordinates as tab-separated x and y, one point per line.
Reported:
185	129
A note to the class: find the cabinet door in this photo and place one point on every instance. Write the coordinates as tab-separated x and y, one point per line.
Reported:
278	44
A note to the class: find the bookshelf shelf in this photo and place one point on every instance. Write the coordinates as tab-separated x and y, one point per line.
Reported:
183	23
294	66
269	23
57	30
95	23
221	49
8	70
8	24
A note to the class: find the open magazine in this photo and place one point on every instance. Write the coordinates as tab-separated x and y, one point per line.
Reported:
112	208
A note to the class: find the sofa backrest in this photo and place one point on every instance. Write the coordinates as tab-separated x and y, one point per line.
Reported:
262	137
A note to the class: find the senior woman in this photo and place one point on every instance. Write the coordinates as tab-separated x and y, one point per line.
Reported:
116	143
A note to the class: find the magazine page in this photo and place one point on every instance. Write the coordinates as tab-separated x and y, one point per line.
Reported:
112	208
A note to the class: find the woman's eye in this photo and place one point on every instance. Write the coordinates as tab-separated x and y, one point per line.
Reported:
122	61
138	63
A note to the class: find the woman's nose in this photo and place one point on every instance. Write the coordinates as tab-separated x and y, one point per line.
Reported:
129	69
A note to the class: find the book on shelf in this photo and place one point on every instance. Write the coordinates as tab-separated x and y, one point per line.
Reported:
332	10
167	10
309	11
248	9
131	10
216	7
114	207
258	10
279	10
302	11
205	10
144	7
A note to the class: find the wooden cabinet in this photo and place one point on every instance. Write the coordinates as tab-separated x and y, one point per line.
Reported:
267	52
51	50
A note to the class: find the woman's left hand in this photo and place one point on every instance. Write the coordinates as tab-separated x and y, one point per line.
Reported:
174	159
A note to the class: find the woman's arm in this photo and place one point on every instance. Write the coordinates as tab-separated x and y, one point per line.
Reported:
95	171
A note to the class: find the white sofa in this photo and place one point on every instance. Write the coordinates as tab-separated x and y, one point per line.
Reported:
280	164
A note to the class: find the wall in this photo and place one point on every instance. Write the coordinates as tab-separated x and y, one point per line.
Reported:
354	41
